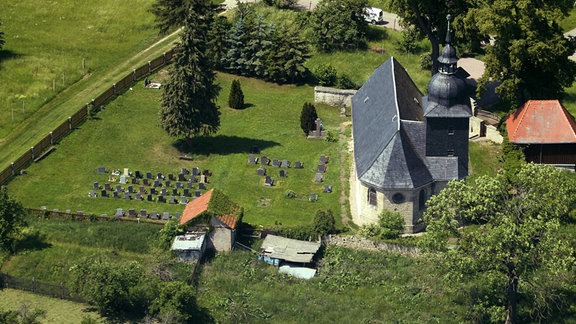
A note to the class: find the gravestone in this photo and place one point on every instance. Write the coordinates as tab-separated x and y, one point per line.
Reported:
186	192
181	177
104	193
126	172
123	179
96	185
143	213
127	196
153	191
264	160
203	178
161	199
171	177
92	194
319	177
269	181
107	186
183	200
154	215
197	193
101	170
132	212
146	182
319	132
189	185
138	174
56	212
202	186
175	192
195	171
276	163
184	171
119	188
313	197
179	185
193	179
135	181
285	163
168	183
324	159
283	174
142	190
157	183
131	189
261	172
116	194
165	215
327	188
163	192
207	173
172	200
252	159
119	212
298	165
138	196
159	176
149	175
321	168
150	197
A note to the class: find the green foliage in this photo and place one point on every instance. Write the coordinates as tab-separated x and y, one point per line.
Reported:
286	58
515	248
236	98
512	157
220	204
409	42
338	24
9	316
189	97
217	46
168	232
308	117
281	4
11	220
425	61
326	75
324	222
331	137
391	224
175	303
236	59
344	82
106	284
529	47
170	14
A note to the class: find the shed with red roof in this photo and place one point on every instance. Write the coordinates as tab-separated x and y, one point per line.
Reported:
546	131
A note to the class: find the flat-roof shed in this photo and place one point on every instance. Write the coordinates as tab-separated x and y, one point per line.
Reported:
276	248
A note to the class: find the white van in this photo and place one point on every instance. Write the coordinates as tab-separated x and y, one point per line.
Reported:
373	15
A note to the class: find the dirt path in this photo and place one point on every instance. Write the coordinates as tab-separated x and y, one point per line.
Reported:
343	178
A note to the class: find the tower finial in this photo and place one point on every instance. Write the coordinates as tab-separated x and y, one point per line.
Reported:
448	32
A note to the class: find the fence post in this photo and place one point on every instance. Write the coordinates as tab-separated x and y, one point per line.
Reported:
70	123
32	152
88	109
13	170
134	75
61	290
51	138
114	86
164	58
149	67
33	285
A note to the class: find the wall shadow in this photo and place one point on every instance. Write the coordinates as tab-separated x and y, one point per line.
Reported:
221	144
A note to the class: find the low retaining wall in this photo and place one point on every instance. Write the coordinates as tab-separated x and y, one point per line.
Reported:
333	96
361	243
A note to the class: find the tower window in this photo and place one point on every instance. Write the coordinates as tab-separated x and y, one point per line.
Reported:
372	200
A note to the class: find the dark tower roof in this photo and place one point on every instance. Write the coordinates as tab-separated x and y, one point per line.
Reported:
447	94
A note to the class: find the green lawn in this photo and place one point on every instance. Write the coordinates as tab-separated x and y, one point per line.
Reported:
126	134
58	311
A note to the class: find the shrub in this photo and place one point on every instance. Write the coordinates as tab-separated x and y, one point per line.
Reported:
426	61
326	75
308	117
391	224
280	4
236	98
324	222
344	82
331	137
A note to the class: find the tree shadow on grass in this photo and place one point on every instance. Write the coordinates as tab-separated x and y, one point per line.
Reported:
7	54
222	144
33	241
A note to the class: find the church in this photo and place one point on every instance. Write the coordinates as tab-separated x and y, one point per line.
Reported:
407	146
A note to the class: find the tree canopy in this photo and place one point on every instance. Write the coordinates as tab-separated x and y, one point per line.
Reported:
529	54
170	13
515	251
11	220
189	97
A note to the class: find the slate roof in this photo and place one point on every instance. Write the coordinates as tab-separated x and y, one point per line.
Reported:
291	250
542	122
389	131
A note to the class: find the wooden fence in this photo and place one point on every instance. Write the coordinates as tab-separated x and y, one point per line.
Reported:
46	144
37	287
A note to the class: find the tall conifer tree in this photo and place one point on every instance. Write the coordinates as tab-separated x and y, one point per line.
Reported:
189	98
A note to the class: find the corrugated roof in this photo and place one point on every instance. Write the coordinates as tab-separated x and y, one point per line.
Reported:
196	207
291	250
542	122
188	242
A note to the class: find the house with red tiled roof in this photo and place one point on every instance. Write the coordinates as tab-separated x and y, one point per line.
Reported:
546	131
216	213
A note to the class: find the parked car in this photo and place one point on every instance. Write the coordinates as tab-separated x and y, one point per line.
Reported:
373	15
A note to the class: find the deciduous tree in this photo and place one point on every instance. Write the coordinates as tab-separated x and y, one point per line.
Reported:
11	220
189	97
515	248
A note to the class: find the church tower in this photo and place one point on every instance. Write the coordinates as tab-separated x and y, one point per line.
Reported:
447	110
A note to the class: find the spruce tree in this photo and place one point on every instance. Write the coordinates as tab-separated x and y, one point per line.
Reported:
236	59
236	98
189	98
285	61
308	117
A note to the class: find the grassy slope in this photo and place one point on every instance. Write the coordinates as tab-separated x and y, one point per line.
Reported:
58	311
49	43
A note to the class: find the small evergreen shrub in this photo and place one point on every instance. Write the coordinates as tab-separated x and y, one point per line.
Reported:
326	75
236	98
308	117
344	82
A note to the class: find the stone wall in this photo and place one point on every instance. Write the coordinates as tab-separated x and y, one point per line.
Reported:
362	243
333	96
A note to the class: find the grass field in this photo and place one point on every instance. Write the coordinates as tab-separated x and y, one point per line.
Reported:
58	311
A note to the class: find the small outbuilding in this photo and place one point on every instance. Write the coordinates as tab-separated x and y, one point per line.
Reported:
276	250
546	131
189	247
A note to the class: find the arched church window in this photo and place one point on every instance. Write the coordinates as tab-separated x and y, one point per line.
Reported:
422	199
372	197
